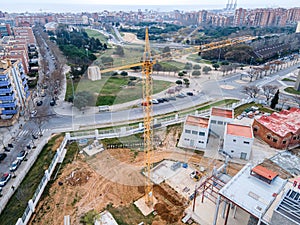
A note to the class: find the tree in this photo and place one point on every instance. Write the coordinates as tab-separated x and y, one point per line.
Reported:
83	99
252	91
166	51
196	67
119	51
269	91
196	73
216	66
186	82
206	69
188	66
180	74
178	82
275	100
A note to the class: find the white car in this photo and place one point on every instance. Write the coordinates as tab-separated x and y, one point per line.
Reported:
154	101
14	166
33	113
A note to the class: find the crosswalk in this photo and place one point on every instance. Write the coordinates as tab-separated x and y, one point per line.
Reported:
22	134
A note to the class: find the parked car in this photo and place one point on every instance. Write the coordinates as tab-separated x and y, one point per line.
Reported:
39	103
172	98
145	103
4	179
2	156
33	113
161	100
6	149
22	154
52	102
165	99
10	145
189	93
154	101
43	94
181	95
14	166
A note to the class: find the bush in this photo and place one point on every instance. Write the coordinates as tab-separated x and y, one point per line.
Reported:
196	73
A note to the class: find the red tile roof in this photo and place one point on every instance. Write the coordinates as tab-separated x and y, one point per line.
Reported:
227	113
282	123
239	130
197	121
264	172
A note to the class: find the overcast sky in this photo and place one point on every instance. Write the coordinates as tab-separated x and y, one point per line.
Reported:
86	5
290	3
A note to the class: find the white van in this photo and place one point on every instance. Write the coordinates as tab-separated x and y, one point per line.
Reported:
103	108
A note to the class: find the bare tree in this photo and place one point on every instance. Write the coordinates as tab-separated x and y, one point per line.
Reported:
268	91
252	91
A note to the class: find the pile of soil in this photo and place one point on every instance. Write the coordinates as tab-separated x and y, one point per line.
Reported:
78	177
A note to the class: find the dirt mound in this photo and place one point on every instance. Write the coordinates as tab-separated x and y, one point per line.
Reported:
78	177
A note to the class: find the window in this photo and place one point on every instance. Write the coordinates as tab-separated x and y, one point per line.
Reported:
186	139
294	138
269	136
232	151
274	140
187	131
284	142
201	133
234	140
220	123
255	129
201	142
213	122
246	142
194	132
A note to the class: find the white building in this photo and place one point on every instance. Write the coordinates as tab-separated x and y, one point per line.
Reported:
195	132
238	140
219	117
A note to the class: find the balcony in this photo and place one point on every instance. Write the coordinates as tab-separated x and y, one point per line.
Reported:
3	76
7	97
9	112
6	90
26	88
23	76
24	82
9	104
4	83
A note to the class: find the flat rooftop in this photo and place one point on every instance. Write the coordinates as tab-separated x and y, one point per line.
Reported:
288	161
227	113
282	123
239	130
197	121
250	193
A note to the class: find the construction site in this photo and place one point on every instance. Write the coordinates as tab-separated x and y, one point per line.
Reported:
113	179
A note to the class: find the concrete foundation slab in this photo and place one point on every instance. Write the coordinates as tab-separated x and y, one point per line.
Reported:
143	207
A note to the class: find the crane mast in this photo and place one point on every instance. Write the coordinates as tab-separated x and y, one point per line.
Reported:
147	67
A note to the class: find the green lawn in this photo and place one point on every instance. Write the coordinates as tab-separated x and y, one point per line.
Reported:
114	89
132	55
95	34
292	91
197	59
18	202
168	65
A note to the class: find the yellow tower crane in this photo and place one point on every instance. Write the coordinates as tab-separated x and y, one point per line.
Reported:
147	67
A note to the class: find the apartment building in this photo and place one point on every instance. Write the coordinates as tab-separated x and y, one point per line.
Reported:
14	91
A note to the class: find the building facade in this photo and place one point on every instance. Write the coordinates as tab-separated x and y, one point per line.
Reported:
279	130
238	141
195	133
14	91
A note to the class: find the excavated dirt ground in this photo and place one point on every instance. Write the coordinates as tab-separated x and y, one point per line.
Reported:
114	176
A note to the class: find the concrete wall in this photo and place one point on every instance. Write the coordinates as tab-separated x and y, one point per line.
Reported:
235	145
191	138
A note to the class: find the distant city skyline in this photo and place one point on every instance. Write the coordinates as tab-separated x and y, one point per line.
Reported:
167	5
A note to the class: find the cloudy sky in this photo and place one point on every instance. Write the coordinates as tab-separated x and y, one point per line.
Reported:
70	5
291	3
